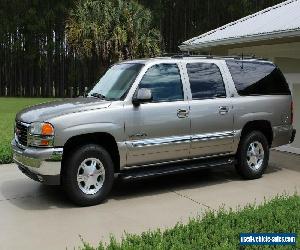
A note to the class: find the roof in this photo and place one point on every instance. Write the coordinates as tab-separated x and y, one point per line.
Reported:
279	21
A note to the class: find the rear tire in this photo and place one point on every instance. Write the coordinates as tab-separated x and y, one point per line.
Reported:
88	175
252	155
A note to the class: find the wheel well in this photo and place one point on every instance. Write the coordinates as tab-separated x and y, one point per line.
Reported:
105	140
260	125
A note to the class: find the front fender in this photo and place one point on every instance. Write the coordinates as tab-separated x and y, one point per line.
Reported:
62	136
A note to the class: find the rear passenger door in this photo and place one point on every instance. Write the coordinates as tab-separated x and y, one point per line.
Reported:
211	112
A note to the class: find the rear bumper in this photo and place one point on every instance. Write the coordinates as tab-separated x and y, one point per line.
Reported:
40	164
283	135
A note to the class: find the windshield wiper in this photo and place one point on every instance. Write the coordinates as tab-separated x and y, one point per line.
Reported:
98	95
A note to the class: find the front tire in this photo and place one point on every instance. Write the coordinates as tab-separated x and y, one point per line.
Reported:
88	175
253	155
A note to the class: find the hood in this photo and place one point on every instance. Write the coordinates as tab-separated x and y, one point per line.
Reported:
45	111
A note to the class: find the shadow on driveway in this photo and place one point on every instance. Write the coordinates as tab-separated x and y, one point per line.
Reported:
30	195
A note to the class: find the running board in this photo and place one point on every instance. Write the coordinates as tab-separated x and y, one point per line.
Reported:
158	170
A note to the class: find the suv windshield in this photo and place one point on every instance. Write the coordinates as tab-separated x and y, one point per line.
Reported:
116	82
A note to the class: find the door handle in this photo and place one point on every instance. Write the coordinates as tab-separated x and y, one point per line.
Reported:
223	110
182	113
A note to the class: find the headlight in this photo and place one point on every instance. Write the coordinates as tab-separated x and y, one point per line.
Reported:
41	134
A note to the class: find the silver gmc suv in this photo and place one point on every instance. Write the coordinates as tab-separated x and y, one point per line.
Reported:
157	116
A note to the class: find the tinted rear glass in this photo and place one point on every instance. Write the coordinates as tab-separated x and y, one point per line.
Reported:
257	78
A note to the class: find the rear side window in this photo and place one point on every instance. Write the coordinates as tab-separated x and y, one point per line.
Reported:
257	78
165	82
206	80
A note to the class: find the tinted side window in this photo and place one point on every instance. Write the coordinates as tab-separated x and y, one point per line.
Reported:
165	82
257	78
206	80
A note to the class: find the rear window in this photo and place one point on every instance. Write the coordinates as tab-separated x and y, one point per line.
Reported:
257	78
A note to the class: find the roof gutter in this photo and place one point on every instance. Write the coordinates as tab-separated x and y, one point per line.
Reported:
238	40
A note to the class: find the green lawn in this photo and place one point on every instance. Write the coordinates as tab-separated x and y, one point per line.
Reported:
221	229
8	109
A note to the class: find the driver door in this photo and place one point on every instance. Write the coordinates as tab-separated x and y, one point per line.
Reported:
158	131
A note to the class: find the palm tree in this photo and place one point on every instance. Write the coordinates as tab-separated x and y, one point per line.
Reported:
112	29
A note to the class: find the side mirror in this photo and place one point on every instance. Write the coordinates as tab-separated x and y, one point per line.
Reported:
143	95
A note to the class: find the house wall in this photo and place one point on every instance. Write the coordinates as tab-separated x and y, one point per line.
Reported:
284	50
296	94
287	57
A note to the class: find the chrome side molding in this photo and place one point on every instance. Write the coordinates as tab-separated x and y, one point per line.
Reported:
179	139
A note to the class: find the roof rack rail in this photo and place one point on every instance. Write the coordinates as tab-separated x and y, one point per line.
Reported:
235	57
175	55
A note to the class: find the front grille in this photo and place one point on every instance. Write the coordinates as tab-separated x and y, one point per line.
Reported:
22	132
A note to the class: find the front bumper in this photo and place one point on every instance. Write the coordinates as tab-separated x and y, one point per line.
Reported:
40	164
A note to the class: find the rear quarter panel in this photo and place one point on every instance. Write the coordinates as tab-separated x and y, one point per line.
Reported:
272	108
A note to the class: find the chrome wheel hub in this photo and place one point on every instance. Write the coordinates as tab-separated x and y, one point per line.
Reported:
90	176
255	155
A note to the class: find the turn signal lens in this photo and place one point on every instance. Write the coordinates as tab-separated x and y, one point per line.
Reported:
44	143
47	129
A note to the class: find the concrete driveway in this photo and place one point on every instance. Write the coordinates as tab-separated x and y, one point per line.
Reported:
33	216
